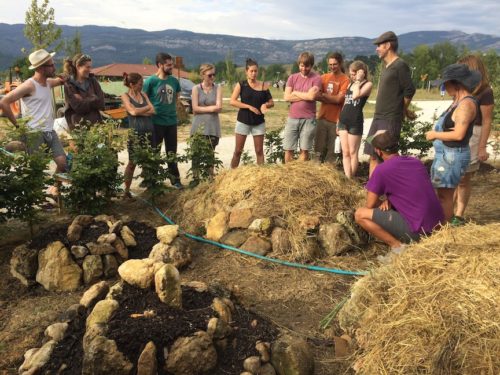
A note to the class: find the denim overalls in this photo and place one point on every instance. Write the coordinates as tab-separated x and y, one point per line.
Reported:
450	163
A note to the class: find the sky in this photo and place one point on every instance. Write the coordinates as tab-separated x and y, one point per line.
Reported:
282	19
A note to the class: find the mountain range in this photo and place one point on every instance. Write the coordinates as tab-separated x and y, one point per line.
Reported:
109	45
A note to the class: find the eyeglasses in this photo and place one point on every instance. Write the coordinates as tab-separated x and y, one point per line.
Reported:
211	75
48	65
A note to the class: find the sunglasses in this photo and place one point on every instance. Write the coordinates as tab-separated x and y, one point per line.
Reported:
211	75
83	58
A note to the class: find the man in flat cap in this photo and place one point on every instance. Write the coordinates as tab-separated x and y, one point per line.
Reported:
395	91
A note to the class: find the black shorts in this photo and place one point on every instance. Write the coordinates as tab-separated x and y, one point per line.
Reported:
356	129
392	126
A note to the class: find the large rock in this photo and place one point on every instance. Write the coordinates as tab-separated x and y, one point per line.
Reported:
74	232
138	272
217	226
167	233
56	269
100	248
92	269
24	264
107	238
35	359
102	312
116	227
292	356
257	245
280	240
240	218
159	253
222	309
180	253
82	220
102	357
192	355
95	293
168	286
128	236
264	226
333	238
147	365
218	328
235	238
56	331
79	252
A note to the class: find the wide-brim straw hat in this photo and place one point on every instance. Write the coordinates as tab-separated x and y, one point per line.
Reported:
39	58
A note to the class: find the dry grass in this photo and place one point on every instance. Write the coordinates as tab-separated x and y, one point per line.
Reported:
287	192
434	310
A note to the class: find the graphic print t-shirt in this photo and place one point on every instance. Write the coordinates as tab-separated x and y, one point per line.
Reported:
163	94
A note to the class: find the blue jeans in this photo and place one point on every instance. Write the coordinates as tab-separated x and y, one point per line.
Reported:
449	165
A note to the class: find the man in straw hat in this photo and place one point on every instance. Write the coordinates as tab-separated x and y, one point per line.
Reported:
37	106
395	91
411	208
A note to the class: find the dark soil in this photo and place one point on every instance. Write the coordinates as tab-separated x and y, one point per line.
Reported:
145	236
132	334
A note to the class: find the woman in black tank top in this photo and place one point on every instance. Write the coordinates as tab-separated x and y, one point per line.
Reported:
139	110
255	100
350	126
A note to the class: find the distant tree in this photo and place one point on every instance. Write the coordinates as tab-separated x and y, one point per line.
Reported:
147	61
22	64
74	46
295	68
275	72
230	71
40	28
371	61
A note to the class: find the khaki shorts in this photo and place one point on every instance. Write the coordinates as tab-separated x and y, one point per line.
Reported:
299	131
474	149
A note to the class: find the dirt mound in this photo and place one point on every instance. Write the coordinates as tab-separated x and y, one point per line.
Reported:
433	310
283	192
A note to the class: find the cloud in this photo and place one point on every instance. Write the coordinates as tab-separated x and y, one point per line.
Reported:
291	19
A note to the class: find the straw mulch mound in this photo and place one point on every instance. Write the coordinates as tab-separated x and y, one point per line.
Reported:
433	310
284	192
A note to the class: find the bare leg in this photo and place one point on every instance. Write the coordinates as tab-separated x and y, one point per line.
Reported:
258	142
288	156
128	175
354	144
60	163
462	194
445	196
373	165
304	155
364	217
346	154
238	150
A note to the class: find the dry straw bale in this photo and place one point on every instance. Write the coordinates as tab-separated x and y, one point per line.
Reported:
433	310
283	191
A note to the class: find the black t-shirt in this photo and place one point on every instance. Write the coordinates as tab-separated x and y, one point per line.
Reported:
449	124
485	97
255	98
395	85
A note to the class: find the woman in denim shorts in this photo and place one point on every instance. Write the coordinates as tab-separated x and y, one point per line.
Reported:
255	100
452	132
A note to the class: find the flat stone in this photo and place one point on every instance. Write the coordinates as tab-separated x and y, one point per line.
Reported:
235	238
167	233
102	312
36	359
100	248
92	269
74	232
83	220
240	218
334	239
56	331
138	272
192	355
115	291
264	226
280	240
104	219
95	293
103	357
79	252
217	226
128	236
252	364
24	264
107	238
257	245
147	364
180	252
292	356
121	249
222	309
116	227
218	328
110	265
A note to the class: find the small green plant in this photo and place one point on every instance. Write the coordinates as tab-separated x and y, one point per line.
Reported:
153	166
412	139
23	180
246	158
203	158
95	177
273	143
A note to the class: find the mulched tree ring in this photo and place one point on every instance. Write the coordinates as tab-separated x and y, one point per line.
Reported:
145	237
132	334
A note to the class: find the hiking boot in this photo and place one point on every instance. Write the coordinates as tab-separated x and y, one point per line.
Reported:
457	221
357	234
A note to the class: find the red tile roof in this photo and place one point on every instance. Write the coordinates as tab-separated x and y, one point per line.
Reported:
117	70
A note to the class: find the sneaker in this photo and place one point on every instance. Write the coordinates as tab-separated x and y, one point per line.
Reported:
457	221
177	185
395	251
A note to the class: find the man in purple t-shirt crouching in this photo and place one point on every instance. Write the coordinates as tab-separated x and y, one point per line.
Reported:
411	208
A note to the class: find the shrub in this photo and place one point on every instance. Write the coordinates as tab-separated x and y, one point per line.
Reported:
203	158
412	140
273	143
95	177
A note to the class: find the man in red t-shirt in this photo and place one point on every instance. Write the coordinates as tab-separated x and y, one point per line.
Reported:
334	87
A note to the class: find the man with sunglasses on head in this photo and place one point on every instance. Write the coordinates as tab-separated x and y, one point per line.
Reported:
163	91
37	105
